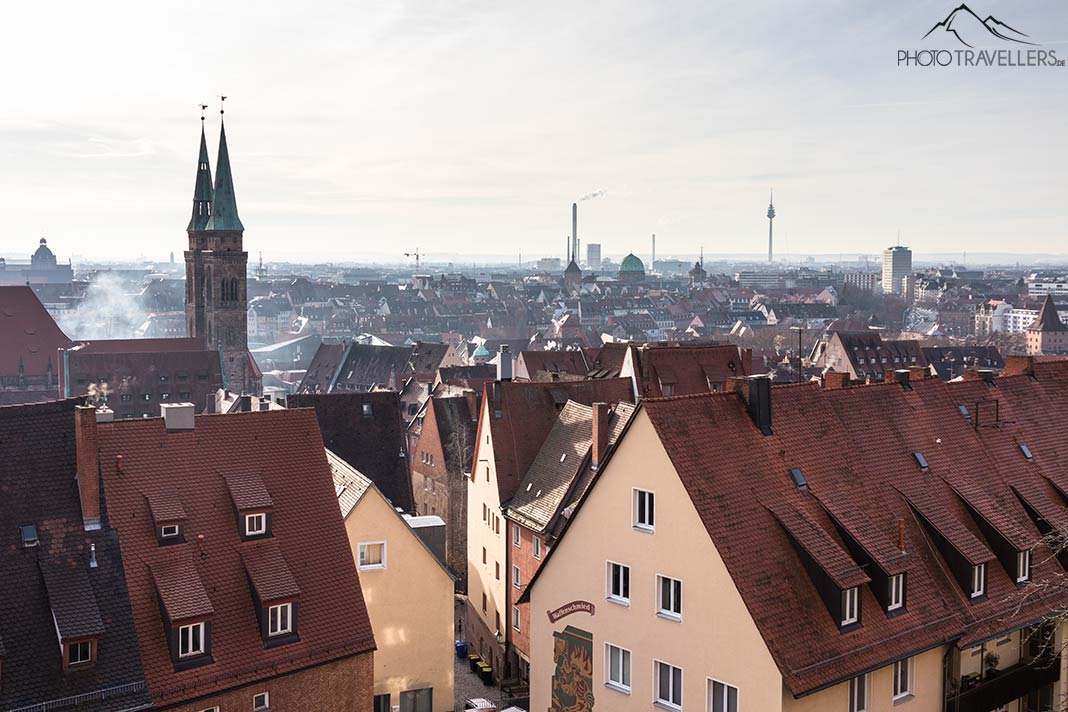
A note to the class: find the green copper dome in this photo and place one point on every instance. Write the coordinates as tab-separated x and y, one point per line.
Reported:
632	263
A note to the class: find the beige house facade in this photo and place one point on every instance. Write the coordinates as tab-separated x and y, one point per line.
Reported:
409	597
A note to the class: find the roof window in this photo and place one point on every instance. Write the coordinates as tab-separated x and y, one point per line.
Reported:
799	478
1027	452
921	461
29	535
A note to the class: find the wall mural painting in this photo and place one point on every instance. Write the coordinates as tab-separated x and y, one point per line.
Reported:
573	678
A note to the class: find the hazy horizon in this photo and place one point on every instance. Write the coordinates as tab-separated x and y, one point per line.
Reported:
369	129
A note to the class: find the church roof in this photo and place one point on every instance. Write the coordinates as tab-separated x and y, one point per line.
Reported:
224	206
572	268
632	263
203	192
1048	319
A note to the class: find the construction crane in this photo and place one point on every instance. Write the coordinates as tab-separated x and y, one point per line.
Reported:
417	255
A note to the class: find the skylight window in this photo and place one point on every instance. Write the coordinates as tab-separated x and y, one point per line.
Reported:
1026	452
964	411
921	461
799	478
29	535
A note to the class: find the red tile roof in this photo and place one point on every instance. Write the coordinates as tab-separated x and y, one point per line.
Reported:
269	573
688	369
854	447
30	334
179	586
140	346
283	448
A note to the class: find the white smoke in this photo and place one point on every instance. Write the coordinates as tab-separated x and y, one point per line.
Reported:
594	194
111	309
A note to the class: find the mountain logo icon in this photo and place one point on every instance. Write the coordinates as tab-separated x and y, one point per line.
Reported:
970	30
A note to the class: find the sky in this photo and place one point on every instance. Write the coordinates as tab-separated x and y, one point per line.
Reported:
360	131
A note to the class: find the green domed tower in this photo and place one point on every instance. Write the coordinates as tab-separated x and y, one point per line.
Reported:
632	269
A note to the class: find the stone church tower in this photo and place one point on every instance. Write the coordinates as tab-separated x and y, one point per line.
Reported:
216	303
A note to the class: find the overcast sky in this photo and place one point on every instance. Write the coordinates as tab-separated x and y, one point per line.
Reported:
361	130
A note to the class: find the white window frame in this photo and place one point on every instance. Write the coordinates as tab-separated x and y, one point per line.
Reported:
516	577
610	583
1023	566
517	540
71	647
278	611
665	611
623	683
255	531
515	617
362	547
978	580
169	531
192	651
850	606
659	701
897	592
650	510
900	665
257	706
725	699
859	699
535	545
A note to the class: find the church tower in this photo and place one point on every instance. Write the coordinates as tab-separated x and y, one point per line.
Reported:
216	303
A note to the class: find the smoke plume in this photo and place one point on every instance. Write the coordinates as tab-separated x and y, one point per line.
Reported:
111	309
594	194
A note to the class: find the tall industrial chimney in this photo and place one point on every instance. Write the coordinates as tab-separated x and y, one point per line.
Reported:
574	231
652	265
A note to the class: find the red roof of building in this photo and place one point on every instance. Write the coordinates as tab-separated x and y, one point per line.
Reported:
30	335
307	552
855	449
139	346
688	369
522	414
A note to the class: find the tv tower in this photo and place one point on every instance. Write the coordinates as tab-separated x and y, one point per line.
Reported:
771	218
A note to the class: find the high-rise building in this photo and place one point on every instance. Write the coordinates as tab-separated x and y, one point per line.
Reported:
216	304
897	264
771	220
593	255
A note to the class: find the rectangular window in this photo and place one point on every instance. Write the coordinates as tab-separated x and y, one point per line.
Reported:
722	697
516	540
191	640
668	685
372	555
497	570
668	597
281	619
417	700
261	701
483	603
618	583
382	703
515	617
897	592
255	524
644	510
978	580
535	544
1023	566
168	531
850	597
483	555
515	577
858	694
902	678
79	653
617	669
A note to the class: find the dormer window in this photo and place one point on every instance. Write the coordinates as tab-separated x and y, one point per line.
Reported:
850	606
896	600
192	640
255	524
978	580
80	653
169	531
280	619
1023	566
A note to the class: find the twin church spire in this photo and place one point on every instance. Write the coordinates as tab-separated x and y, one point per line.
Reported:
214	205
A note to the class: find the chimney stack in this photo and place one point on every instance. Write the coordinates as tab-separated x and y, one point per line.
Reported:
1019	366
88	471
919	373
600	434
834	380
756	392
574	232
178	417
504	364
903	376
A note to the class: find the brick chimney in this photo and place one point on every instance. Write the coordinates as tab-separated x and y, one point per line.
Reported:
599	447
833	380
88	471
1019	366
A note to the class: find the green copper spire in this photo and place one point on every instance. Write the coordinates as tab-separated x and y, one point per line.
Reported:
202	194
224	205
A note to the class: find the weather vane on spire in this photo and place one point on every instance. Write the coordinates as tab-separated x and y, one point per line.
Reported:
202	108
222	108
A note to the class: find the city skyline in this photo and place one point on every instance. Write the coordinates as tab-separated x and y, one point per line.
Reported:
462	156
